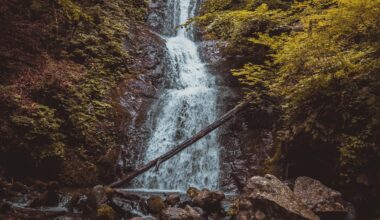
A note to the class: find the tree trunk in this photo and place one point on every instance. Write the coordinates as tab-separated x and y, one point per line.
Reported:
156	162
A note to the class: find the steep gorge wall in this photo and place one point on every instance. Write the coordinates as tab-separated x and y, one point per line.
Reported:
61	65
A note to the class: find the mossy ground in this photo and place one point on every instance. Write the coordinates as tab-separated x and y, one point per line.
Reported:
60	62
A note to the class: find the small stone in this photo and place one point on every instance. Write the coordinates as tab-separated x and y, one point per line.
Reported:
259	215
172	200
155	204
192	192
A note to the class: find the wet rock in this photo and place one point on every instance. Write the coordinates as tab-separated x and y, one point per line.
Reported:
121	206
155	204
85	204
276	200
47	198
209	200
324	201
192	192
172	200
211	51
226	206
99	193
195	215
105	212
175	214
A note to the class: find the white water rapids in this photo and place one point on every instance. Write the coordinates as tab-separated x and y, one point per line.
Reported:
188	105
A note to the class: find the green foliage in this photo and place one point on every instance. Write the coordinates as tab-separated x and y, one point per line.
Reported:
72	11
238	26
40	132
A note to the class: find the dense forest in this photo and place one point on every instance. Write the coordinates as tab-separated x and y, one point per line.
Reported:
311	74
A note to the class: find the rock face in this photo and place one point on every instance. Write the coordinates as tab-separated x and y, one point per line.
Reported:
272	197
138	93
324	201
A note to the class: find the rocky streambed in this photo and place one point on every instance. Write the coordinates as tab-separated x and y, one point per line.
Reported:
263	197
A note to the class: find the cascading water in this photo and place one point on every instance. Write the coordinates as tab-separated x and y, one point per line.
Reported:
186	106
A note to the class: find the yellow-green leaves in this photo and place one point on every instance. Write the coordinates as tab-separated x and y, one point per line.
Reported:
73	12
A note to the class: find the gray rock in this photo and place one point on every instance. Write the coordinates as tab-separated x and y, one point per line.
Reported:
276	200
175	214
324	201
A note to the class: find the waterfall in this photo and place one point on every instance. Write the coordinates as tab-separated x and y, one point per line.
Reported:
186	105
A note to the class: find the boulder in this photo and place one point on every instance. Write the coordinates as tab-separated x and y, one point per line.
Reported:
175	214
324	201
155	204
172	200
208	199
195	215
276	200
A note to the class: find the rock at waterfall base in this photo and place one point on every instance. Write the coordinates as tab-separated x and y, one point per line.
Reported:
322	200
175	214
272	197
155	204
208	200
172	200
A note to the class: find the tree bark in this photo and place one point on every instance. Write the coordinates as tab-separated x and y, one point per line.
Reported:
156	162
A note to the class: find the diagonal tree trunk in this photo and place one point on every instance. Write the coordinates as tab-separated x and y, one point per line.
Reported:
156	162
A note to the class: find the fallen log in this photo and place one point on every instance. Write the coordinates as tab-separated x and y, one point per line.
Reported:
156	162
